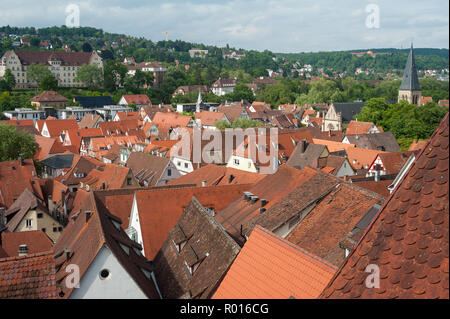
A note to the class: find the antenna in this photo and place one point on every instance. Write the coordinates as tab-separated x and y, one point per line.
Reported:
167	35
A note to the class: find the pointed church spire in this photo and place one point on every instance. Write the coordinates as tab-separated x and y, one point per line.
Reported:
410	79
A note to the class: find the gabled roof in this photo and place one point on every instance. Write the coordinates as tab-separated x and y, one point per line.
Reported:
160	209
43	57
339	206
137	99
209	118
232	112
82	239
110	176
348	110
356	127
207	253
273	188
384	141
408	238
410	79
49	96
48	146
28	277
147	168
361	158
26	201
56	127
89	121
393	162
332	145
15	178
36	240
172	119
307	154
270	267
127	116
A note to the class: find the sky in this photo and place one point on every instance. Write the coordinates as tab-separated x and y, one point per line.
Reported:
281	26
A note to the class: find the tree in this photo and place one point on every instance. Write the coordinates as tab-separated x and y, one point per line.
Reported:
49	83
107	55
243	92
114	75
37	72
91	75
86	47
8	82
15	143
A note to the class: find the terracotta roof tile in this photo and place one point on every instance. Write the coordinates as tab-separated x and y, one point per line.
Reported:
270	267
15	178
37	242
408	238
356	127
158	215
49	96
28	277
217	175
207	247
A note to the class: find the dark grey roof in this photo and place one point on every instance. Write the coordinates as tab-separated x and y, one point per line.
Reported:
410	79
384	141
368	217
59	161
348	110
94	101
300	160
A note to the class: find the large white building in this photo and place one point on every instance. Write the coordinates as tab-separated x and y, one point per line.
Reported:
63	65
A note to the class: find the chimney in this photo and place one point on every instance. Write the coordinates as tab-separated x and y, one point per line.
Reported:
303	145
2	217
377	176
23	250
22	162
203	183
88	215
63	201
50	204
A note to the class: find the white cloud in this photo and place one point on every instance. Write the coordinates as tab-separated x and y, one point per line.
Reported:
280	26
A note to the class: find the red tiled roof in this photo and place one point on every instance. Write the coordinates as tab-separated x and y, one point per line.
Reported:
66	58
270	267
49	96
408	238
217	175
137	99
83	238
159	210
171	119
28	277
36	240
209	118
356	127
56	127
127	116
15	178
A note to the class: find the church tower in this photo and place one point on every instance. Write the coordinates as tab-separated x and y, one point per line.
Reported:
410	89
